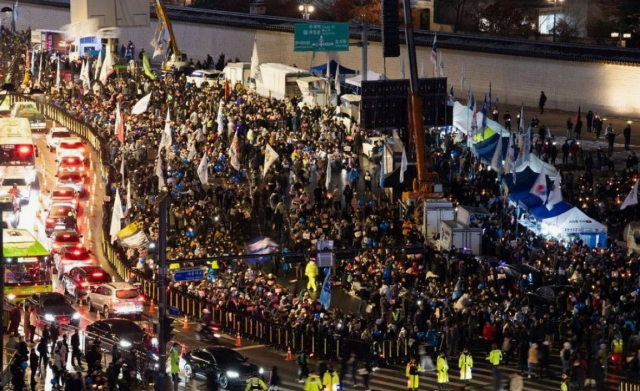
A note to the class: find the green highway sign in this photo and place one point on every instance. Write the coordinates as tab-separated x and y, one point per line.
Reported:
321	37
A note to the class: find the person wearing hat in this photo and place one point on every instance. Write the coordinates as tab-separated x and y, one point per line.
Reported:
313	383
413	374
330	380
465	363
442	366
255	383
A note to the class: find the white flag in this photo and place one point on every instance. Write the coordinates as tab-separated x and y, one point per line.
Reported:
128	195
423	70
86	78
98	66
58	74
122	171
632	198
142	105
220	118
441	64
539	188
337	80
327	181
165	140
269	158
160	173
116	215
555	197
508	161
255	62
107	67
234	152
192	151
496	160
203	170
403	165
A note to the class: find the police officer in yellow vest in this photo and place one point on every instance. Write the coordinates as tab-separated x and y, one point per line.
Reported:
313	383
564	383
617	347
331	380
465	363
442	366
413	374
255	384
495	358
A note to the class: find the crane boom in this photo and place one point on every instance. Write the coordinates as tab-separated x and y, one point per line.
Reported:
162	15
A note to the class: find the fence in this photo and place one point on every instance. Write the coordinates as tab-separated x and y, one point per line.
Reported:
629	386
260	330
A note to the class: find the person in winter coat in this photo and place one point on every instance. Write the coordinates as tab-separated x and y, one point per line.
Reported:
442	366
274	379
515	383
413	374
330	380
33	364
303	366
313	383
532	359
365	372
311	271
465	363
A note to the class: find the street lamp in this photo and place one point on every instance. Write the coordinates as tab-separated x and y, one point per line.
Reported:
555	13
621	37
307	10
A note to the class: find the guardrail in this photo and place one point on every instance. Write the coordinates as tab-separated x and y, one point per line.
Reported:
253	328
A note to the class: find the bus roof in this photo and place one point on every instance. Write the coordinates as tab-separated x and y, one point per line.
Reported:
20	243
16	130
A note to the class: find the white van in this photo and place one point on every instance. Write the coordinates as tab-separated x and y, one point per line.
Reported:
92	45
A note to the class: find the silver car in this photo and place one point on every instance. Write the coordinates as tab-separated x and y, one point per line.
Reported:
116	299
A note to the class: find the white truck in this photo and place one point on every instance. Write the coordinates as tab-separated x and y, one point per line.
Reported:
462	237
279	81
436	211
237	72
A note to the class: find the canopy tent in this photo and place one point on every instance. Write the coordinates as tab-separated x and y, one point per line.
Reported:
541	212
575	223
462	119
523	182
333	64
538	166
371	76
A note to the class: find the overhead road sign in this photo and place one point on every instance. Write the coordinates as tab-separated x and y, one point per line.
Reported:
321	37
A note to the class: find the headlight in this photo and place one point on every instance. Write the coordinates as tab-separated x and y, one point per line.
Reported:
154	341
76	315
11	297
49	318
125	344
232	374
261	371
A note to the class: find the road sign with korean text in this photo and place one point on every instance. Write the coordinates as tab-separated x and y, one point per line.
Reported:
321	37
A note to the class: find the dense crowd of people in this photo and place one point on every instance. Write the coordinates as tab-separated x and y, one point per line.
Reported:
322	188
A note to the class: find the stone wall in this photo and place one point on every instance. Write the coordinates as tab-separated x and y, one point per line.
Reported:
605	88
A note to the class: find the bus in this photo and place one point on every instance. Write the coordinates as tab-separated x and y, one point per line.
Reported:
26	265
17	149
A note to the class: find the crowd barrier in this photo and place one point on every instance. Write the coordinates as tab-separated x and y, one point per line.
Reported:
629	386
262	331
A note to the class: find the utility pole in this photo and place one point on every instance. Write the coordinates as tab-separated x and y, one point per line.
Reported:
162	305
365	43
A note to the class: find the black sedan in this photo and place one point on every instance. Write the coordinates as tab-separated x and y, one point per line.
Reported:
54	307
231	368
123	331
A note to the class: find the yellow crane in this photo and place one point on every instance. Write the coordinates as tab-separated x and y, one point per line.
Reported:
176	60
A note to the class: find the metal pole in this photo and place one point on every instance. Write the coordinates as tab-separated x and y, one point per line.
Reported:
365	44
3	298
555	11
162	303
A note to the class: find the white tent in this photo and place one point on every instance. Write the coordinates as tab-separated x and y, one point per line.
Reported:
573	221
538	166
371	76
462	119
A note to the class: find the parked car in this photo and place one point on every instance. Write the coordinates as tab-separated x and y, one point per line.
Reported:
232	369
198	77
124	331
116	299
54	307
79	281
55	135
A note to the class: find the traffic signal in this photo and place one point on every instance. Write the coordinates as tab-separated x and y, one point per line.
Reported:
167	326
390	28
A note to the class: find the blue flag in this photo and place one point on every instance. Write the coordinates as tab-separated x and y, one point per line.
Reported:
484	115
14	17
457	291
325	293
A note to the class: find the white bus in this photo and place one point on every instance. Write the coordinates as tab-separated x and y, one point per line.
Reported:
17	149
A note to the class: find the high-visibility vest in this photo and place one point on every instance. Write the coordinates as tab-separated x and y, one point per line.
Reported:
617	345
495	357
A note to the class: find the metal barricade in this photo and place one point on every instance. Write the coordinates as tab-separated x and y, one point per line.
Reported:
629	386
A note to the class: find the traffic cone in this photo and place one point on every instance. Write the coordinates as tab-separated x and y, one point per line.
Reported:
97	316
238	339
289	355
152	307
186	323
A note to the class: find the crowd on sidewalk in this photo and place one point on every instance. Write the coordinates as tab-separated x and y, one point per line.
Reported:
437	302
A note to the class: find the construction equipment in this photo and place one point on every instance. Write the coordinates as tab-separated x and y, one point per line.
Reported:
175	60
423	184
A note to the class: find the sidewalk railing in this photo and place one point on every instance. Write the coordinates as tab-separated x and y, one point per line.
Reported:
263	331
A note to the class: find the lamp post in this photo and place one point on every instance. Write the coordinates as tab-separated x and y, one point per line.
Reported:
307	10
555	13
622	37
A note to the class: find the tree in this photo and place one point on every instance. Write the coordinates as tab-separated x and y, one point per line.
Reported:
506	17
346	10
459	7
